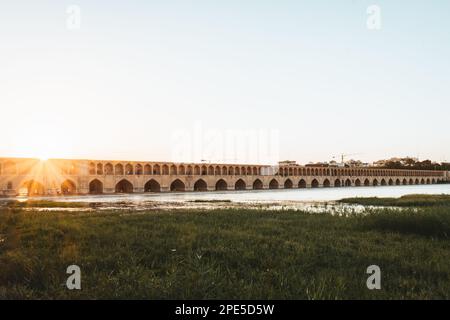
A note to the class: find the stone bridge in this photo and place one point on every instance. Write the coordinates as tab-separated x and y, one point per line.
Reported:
58	176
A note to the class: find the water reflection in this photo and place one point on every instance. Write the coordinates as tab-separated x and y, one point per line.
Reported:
310	200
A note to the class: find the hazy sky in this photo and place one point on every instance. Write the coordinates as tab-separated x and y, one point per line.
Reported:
185	80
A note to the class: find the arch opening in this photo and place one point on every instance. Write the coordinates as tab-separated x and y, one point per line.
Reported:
177	185
152	186
109	169
240	185
68	187
302	184
95	187
32	188
273	184
257	185
118	170
124	186
221	185
288	184
200	185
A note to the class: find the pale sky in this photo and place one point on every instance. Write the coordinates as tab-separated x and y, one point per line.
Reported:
170	80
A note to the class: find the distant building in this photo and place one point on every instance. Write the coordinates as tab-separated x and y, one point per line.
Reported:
356	163
287	163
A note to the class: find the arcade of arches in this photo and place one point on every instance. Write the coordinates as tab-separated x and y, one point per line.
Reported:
67	177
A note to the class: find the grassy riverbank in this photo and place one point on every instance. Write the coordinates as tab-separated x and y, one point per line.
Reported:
239	254
15	204
413	200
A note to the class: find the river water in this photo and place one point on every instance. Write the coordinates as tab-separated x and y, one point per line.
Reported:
313	200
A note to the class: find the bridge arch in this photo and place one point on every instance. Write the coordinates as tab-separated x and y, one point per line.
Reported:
302	184
221	185
405	182
177	185
314	183
109	169
273	184
375	182
118	169
129	169
240	185
348	183
257	185
200	185
95	187
326	183
337	183
33	188
357	183
152	186
124	186
68	187
99	169
383	182
366	182
288	184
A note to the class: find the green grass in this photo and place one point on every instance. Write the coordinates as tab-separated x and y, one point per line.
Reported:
225	254
45	204
413	200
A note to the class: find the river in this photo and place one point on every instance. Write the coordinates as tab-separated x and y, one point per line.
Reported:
305	199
